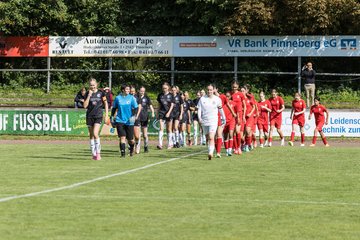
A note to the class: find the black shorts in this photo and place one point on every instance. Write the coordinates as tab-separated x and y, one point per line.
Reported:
195	117
162	116
185	119
175	115
90	122
125	131
141	123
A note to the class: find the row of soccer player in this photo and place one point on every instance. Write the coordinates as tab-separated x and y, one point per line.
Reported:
232	117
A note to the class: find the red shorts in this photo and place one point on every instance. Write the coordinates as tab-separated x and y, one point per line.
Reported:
250	122
253	129
319	125
299	120
229	126
276	121
263	126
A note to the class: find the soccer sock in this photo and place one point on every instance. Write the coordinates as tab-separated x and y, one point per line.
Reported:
270	139
170	139
218	145
261	140
314	140
253	138
248	140
292	136
324	140
122	148
195	135
97	145
161	136
235	143
177	136
211	149
146	141
238	140
302	138
131	145
231	143
226	144
92	147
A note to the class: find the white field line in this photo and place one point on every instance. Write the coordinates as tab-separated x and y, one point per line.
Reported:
6	199
216	200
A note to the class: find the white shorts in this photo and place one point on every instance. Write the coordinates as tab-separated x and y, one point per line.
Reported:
209	129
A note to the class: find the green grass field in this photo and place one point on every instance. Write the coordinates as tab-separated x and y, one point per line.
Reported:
273	193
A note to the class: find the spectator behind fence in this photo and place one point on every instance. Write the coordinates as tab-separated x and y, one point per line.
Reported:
308	73
80	98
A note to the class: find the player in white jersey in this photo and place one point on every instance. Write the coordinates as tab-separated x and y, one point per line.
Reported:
208	108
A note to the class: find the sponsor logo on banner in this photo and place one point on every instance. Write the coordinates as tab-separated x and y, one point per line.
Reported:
348	44
92	46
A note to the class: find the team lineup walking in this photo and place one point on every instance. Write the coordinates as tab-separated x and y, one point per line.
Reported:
218	120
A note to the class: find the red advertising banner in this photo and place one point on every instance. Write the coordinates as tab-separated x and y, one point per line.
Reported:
24	46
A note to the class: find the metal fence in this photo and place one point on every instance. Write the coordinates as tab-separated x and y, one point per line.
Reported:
173	72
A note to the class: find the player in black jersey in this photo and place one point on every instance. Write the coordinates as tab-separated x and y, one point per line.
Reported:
136	114
143	119
166	104
177	114
196	123
94	102
185	123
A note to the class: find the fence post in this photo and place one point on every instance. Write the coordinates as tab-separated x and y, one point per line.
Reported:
235	68
48	74
299	74
110	72
172	71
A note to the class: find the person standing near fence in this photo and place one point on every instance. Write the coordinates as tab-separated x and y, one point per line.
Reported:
308	73
94	102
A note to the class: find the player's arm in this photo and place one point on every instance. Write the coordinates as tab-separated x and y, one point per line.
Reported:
106	108
311	112
230	108
181	111
170	110
138	111
252	110
87	100
244	110
327	117
291	113
152	111
199	112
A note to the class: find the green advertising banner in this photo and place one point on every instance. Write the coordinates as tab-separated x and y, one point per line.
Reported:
52	122
43	122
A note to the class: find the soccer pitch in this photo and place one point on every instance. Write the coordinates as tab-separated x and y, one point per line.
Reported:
272	193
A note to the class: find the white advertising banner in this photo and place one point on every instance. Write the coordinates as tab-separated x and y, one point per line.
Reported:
267	46
341	123
105	46
207	46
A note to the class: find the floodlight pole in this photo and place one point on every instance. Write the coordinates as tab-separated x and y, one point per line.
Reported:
48	74
235	68
299	74
110	63
172	71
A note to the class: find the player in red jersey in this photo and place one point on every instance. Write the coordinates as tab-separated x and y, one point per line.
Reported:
249	119
238	99
263	119
220	129
277	107
319	112
298	118
229	125
255	115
